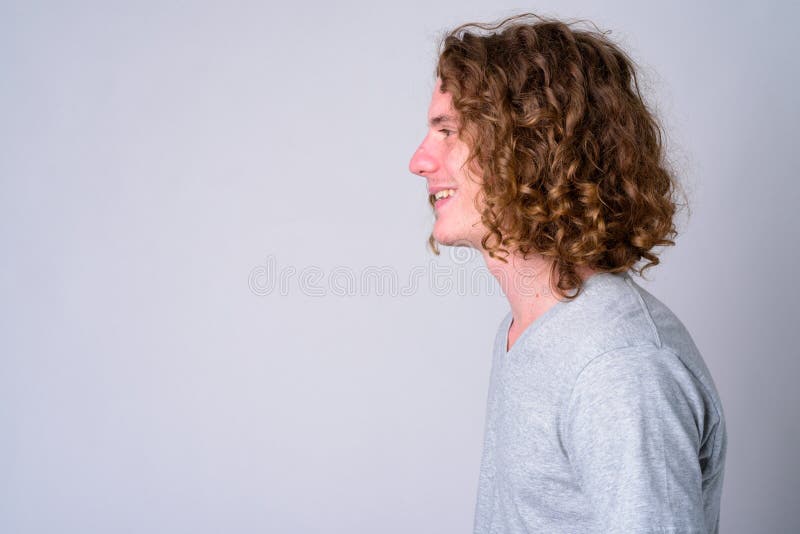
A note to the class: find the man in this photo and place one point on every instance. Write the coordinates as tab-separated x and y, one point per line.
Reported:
602	416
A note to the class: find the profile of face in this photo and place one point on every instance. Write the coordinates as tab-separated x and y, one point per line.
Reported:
441	159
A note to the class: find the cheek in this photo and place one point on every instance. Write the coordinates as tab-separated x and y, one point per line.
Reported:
475	194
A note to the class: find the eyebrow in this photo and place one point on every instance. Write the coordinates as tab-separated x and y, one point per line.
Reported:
438	120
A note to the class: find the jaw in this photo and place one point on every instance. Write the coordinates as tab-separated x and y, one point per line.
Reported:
457	222
455	233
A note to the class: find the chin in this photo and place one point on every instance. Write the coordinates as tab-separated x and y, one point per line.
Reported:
452	239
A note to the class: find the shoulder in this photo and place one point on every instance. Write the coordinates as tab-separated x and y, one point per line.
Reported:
633	370
641	389
617	311
613	312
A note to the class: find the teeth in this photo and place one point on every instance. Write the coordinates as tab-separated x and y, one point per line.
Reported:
444	193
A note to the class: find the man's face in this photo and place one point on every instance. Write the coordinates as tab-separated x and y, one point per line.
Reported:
440	159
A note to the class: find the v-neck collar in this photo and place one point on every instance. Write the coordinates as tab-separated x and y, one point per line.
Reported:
546	316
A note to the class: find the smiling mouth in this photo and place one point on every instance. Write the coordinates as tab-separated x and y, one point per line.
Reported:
440	197
444	193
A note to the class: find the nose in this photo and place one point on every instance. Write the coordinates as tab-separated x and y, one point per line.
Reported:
422	162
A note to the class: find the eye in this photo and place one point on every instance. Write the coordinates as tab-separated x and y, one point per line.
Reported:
446	132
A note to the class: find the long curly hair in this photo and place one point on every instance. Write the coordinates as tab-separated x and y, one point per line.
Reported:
572	161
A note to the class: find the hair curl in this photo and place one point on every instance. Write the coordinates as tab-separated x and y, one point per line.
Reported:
572	160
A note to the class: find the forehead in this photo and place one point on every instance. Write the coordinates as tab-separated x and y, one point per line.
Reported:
441	104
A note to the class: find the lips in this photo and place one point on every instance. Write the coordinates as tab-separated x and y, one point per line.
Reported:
444	193
441	202
438	203
438	196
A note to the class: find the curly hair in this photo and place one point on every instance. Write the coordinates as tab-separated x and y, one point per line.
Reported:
572	160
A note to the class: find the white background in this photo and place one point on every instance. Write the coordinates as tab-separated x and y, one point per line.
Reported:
156	158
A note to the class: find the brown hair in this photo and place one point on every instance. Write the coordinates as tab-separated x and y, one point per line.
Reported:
572	160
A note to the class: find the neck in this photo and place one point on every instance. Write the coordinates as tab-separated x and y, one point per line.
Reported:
528	286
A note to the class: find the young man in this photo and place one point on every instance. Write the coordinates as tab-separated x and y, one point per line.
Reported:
602	416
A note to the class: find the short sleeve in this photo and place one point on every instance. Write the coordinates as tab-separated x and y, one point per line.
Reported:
632	434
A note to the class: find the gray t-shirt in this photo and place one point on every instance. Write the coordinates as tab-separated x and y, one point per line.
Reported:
602	418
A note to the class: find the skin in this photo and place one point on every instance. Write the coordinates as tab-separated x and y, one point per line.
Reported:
440	159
